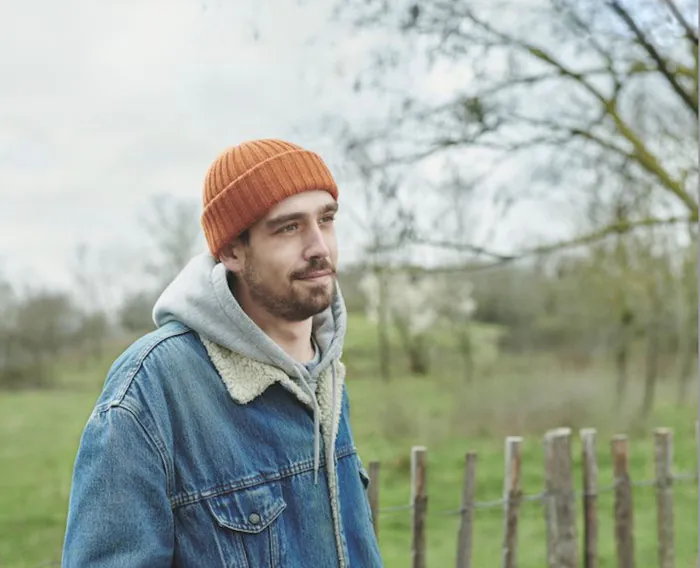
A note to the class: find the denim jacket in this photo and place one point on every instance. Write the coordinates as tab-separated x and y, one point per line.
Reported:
197	456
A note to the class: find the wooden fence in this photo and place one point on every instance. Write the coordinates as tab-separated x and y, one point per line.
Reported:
559	499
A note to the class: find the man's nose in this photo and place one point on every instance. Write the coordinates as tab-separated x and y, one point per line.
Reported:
316	245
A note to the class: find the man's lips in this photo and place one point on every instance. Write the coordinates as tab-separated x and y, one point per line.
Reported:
315	275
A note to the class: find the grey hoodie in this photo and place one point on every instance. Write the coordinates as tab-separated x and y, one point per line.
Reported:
200	298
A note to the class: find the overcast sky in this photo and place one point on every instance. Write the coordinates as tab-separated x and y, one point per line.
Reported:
105	104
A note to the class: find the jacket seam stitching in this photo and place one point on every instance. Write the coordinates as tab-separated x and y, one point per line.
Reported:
154	442
131	373
247	483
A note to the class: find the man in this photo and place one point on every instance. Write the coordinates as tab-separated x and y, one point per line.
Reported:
222	439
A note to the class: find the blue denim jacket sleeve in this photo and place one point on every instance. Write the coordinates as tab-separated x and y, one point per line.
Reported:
119	512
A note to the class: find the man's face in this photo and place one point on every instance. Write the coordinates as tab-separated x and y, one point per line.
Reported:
288	264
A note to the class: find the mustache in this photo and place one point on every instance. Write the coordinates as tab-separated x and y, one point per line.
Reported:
315	265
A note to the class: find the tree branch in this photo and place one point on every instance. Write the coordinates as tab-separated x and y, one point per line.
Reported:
597	46
685	71
461	247
650	163
687	98
690	33
466	128
542	77
605	144
580	132
642	154
617	228
538	53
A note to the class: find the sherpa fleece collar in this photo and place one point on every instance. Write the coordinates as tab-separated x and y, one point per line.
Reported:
246	379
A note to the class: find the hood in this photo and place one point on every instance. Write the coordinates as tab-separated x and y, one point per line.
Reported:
200	298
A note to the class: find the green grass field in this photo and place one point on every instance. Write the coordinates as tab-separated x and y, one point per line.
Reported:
40	430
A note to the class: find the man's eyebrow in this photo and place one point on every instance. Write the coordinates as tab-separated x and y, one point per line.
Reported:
282	219
331	207
297	216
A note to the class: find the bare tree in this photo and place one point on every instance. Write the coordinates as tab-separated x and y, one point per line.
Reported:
37	327
659	276
134	314
381	215
94	284
172	225
173	235
554	83
688	320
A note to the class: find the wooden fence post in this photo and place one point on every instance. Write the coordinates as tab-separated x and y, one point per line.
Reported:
511	495
419	498
560	505
624	520
374	468
663	458
590	496
464	537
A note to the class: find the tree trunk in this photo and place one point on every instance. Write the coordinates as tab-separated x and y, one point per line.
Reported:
621	359
622	356
418	357
415	349
383	328
686	370
652	367
97	346
466	348
689	330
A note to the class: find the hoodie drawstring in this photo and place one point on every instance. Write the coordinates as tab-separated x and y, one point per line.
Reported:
317	441
333	410
317	426
317	422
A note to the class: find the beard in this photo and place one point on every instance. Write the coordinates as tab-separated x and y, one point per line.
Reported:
291	300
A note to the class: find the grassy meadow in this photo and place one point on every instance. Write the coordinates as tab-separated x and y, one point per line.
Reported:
509	395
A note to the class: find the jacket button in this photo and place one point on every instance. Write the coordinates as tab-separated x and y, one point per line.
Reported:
254	519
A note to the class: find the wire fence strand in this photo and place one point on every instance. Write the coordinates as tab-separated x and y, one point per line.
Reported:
388	511
682	477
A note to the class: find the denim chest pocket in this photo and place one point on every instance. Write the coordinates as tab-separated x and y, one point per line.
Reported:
251	534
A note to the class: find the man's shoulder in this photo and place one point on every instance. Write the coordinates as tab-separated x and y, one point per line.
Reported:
147	360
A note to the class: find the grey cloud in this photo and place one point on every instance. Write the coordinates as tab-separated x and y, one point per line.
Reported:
103	105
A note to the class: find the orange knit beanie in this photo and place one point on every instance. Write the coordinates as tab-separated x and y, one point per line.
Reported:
246	181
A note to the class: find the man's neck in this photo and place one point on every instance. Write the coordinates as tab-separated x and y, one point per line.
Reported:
294	338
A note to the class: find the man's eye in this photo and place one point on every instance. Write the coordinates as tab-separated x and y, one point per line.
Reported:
328	219
289	228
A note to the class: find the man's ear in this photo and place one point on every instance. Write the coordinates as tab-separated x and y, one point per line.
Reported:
232	256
